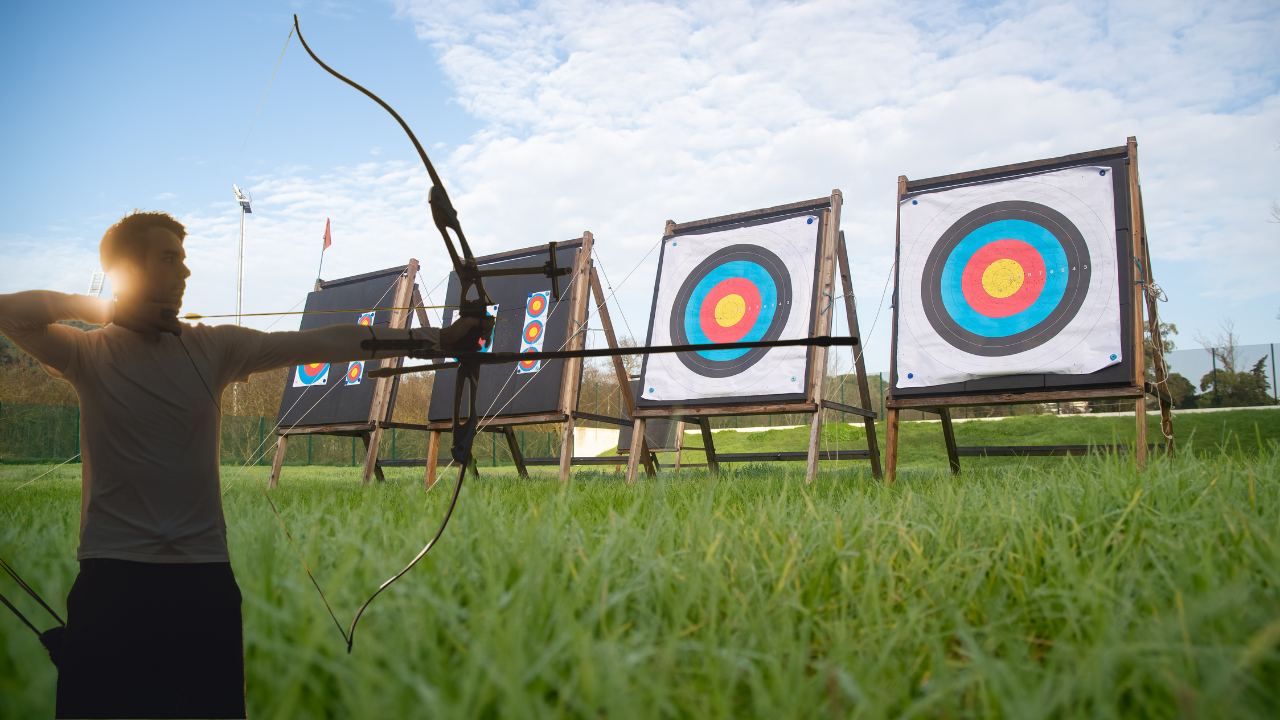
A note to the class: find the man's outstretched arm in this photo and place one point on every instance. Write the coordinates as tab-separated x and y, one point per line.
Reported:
30	320
341	343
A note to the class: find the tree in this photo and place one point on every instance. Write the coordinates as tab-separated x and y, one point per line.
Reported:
1181	392
1237	389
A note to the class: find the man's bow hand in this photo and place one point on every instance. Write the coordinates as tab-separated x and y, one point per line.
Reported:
467	334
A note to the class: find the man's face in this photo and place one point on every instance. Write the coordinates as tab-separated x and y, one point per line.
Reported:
162	274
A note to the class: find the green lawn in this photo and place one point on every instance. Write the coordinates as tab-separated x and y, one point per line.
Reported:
1064	587
922	447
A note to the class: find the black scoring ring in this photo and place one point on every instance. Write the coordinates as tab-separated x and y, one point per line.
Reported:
777	270
1073	244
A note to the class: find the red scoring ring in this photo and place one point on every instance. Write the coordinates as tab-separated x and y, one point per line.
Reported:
537	304
313	370
532	331
1033	278
528	364
353	372
707	313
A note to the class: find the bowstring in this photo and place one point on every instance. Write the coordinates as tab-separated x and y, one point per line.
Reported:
251	460
55	467
264	92
255	457
579	331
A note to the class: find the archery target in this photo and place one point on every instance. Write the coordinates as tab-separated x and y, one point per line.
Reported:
355	372
367	318
1009	277
531	337
742	284
311	374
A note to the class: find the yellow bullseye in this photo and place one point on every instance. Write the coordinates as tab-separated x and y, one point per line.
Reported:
730	310
1002	278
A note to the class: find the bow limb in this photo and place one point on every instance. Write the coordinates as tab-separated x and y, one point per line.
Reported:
469	277
442	211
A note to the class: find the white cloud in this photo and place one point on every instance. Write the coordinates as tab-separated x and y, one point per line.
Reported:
613	117
616	116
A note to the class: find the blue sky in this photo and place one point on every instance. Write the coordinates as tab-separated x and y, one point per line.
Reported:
549	119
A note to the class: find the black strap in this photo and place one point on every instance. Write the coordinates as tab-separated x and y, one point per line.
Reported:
21	617
22	584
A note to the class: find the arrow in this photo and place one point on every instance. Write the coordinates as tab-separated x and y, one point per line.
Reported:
194	316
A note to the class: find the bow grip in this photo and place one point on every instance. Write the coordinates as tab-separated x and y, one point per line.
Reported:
464	432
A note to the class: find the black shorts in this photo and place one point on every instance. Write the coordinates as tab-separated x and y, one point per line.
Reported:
152	640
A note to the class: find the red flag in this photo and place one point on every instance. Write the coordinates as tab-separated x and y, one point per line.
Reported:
328	240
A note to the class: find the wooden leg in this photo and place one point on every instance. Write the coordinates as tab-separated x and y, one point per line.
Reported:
949	437
637	449
433	457
873	448
649	460
1140	443
566	449
891	445
516	455
371	466
815	439
679	442
278	462
709	446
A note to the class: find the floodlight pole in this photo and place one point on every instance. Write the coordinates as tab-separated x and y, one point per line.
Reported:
245	201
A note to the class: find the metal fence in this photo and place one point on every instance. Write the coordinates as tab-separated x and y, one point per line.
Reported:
1195	363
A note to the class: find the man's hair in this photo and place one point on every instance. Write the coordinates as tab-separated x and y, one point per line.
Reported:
127	239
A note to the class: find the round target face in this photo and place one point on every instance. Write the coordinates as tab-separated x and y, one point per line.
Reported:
366	319
537	305
528	364
532	331
354	371
1005	278
741	293
311	373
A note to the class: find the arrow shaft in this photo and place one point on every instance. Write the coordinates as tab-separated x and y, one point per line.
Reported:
194	316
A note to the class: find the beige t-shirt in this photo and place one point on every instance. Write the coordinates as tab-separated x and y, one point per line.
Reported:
150	434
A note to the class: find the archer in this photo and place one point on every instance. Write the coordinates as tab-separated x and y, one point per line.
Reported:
153	619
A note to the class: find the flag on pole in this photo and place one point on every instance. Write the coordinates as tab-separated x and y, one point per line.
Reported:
328	240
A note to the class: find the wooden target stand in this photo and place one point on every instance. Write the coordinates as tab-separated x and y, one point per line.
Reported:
832	254
381	408
1135	389
585	283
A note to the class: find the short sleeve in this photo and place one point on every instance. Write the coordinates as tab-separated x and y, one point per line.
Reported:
78	349
238	351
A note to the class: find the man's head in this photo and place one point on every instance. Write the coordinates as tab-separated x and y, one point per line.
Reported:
143	256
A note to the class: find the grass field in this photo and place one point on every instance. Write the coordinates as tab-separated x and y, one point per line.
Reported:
922	446
1025	589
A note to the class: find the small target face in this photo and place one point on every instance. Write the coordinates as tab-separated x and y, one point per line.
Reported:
366	318
528	365
355	372
532	331
1005	278
312	374
537	305
741	293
